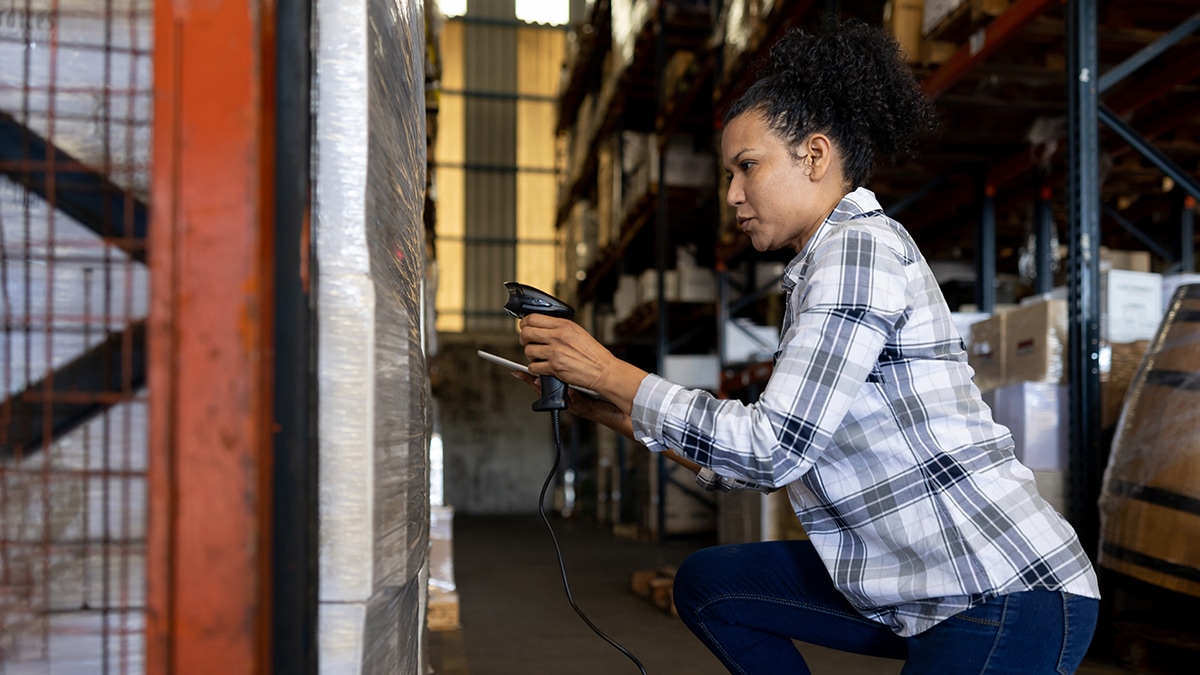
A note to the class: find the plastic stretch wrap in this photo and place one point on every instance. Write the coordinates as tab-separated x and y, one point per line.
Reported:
373	387
76	74
1150	522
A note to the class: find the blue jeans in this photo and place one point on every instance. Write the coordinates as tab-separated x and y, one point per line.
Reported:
747	602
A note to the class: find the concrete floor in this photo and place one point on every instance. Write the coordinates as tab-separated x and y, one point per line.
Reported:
516	618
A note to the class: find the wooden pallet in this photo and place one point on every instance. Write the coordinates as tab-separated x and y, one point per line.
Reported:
657	586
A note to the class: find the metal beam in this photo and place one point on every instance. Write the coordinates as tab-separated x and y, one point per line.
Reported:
985	250
983	44
1167	165
103	376
1086	458
294	539
1141	236
72	187
1043	217
1155	86
210	339
662	239
1187	234
919	194
1149	52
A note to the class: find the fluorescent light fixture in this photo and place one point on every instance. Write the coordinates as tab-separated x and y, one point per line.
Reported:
453	7
554	12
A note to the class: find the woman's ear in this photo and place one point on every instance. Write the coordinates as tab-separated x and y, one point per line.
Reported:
820	153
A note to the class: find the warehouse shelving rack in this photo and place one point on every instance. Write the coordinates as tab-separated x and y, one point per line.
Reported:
983	185
642	240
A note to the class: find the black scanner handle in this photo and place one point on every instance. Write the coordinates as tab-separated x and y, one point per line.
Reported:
524	300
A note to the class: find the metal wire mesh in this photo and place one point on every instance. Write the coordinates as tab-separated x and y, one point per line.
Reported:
75	122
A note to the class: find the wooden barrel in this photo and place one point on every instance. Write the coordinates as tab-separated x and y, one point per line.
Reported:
1150	502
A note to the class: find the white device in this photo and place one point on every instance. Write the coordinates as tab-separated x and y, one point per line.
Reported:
513	365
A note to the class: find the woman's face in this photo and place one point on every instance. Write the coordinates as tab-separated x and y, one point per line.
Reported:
778	195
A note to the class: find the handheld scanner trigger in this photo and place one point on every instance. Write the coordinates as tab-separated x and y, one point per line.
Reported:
525	300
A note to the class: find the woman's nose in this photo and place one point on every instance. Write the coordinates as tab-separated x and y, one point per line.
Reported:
734	195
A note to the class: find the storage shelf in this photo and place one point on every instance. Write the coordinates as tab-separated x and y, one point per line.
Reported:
642	323
634	246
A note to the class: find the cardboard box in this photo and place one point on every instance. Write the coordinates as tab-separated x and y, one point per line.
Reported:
625	299
1131	305
441	548
1171	282
902	18
697	284
963	321
648	286
747	342
685	166
1036	414
1035	342
937	52
769	273
608	194
986	352
974	14
933	12
1119	259
442	610
694	371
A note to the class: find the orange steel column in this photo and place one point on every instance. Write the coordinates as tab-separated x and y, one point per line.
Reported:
209	340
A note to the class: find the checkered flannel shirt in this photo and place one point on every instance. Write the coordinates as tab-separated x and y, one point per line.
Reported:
871	420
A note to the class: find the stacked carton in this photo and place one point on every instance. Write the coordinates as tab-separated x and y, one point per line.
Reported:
1025	379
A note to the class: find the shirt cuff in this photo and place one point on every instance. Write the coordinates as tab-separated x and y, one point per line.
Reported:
649	410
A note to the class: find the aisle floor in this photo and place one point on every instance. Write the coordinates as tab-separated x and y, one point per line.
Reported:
516	619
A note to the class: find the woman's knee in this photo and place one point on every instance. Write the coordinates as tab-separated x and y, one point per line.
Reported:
693	580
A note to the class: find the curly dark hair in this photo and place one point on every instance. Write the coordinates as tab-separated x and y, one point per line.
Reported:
848	81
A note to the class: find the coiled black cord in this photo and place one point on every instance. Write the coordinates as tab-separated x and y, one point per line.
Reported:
558	552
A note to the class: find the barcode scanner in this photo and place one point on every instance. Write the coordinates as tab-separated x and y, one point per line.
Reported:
524	300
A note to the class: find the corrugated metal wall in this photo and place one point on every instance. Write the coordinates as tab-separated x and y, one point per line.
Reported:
495	162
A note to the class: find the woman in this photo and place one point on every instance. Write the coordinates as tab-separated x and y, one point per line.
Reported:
927	540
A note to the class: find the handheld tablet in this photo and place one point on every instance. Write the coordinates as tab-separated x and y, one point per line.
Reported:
513	365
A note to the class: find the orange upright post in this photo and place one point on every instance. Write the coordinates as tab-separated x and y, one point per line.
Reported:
210	337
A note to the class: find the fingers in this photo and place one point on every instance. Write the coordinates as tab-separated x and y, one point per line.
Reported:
562	348
540	329
539	334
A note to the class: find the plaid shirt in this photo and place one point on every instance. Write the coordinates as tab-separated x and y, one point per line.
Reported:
906	487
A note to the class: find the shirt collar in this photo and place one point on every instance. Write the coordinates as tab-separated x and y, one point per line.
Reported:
858	204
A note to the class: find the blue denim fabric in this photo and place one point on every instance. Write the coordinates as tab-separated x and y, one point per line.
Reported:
747	602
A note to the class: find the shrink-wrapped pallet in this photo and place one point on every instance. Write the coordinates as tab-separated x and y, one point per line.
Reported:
1150	502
